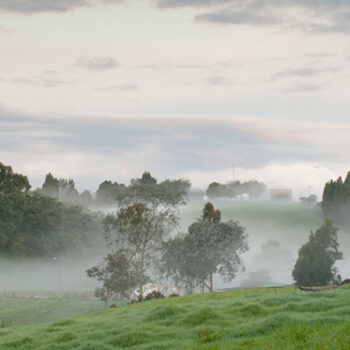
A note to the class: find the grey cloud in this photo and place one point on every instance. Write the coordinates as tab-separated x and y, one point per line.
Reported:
319	55
300	72
125	87
306	72
172	66
169	65
217	81
47	79
177	144
98	63
42	82
186	3
320	16
303	88
236	17
38	6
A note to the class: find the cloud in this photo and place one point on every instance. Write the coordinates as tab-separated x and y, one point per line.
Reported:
172	66
304	88
95	149
308	72
186	3
98	63
169	66
317	16
47	79
245	17
42	82
217	81
125	87
58	6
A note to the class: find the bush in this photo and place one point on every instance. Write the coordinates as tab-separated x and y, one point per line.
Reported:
154	295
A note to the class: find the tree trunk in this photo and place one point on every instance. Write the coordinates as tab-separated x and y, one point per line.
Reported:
109	291
211	283
141	274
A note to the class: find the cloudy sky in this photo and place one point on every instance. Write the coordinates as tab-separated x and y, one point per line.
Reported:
105	89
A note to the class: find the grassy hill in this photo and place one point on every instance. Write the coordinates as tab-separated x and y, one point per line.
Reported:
241	319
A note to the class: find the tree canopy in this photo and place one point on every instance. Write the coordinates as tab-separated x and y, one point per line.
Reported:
117	274
36	225
147	212
336	201
210	246
315	264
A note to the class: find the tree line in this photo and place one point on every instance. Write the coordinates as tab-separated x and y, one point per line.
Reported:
35	225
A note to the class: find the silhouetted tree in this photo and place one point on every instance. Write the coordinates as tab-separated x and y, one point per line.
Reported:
147	213
51	186
336	201
11	182
315	264
209	247
117	274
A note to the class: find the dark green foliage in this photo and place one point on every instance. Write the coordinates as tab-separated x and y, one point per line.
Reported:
32	224
154	295
336	201
309	200
234	189
11	182
117	274
51	186
317	257
107	193
209	247
147	213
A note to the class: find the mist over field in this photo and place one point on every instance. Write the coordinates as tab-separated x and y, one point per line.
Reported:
276	230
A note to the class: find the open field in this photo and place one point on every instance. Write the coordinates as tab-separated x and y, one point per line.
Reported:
30	310
241	319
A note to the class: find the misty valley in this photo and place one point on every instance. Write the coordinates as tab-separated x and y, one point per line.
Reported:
66	254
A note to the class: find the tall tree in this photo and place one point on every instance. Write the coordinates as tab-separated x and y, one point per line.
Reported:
51	186
12	182
147	213
209	247
336	201
315	264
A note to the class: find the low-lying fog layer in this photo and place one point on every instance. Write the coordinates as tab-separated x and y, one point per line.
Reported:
276	232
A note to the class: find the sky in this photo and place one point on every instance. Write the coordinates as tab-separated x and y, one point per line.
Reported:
106	89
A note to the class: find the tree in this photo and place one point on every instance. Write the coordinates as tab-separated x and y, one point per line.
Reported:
309	200
12	182
336	201
209	247
107	193
67	191
146	179
117	274
147	213
315	264
51	186
216	190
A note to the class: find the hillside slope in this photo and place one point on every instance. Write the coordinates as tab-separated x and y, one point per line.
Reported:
251	319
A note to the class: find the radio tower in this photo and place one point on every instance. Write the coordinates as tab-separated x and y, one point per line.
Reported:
233	172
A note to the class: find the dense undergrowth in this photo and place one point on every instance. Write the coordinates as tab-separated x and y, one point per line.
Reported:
251	319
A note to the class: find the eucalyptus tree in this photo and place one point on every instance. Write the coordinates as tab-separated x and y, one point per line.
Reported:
210	246
147	213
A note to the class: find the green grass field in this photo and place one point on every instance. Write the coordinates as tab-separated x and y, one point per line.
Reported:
23	311
241	319
288	221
